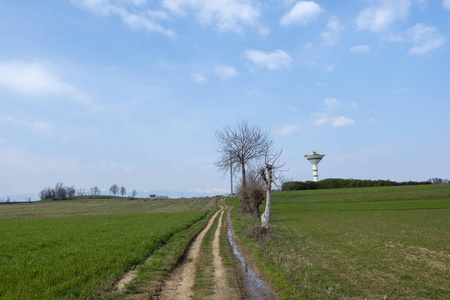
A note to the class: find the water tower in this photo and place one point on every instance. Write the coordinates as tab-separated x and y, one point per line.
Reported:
315	158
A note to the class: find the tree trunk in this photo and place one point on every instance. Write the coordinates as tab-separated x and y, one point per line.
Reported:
265	217
244	182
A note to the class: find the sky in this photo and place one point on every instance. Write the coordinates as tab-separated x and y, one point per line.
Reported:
130	92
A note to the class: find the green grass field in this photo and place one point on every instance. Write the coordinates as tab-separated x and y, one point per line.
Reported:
45	256
366	243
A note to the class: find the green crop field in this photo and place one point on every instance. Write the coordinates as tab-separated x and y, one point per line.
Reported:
365	243
99	205
49	257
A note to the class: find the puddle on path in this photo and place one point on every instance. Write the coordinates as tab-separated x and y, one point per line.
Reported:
255	286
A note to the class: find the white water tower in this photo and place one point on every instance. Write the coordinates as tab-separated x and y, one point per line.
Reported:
315	158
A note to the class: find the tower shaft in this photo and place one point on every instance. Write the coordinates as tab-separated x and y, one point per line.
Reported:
315	173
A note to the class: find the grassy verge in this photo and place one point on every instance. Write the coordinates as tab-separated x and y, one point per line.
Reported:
389	242
80	257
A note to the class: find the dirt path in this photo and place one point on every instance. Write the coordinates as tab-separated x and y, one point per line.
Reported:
216	265
180	283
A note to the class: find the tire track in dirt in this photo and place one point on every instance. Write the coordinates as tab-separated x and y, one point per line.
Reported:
222	290
179	284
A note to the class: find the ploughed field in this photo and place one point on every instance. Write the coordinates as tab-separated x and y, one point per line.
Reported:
364	243
79	248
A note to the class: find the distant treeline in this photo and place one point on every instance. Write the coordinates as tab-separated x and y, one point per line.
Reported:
338	183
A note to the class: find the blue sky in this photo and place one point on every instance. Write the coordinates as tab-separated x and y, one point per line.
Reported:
97	92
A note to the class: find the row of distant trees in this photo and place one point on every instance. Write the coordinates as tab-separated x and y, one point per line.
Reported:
7	200
336	183
437	180
61	191
115	190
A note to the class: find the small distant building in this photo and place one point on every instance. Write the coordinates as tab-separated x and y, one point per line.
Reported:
152	196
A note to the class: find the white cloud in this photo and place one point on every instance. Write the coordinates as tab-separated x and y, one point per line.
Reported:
331	68
136	16
287	129
426	38
360	49
303	12
331	103
228	15
341	121
225	72
333	121
333	31
273	60
43	127
446	4
199	78
34	79
322	119
378	18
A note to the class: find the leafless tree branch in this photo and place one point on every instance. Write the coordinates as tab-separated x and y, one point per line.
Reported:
241	146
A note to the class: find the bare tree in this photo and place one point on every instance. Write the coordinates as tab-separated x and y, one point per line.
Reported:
133	194
60	191
71	191
268	176
81	192
241	146
437	180
114	189
123	191
47	193
43	194
94	191
252	195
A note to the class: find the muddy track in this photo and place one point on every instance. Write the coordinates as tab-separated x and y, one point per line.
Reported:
222	289
179	284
